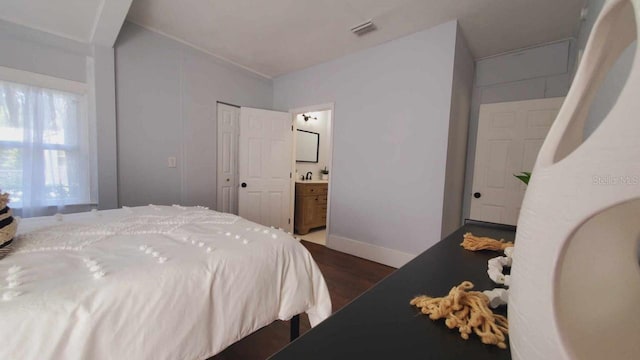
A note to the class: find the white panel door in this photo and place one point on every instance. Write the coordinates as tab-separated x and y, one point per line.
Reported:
509	137
265	167
228	137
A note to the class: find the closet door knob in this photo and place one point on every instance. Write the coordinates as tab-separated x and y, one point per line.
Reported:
244	185
477	195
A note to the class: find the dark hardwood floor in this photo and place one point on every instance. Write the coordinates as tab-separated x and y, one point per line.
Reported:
346	276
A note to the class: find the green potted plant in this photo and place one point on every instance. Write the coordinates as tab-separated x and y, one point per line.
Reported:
324	173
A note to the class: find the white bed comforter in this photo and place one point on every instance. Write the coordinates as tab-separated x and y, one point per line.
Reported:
155	282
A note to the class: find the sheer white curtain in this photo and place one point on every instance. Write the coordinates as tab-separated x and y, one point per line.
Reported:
46	150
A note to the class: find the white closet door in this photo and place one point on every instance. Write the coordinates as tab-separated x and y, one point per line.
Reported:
510	135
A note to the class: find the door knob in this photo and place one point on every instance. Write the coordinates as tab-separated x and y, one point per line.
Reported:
228	180
477	195
244	185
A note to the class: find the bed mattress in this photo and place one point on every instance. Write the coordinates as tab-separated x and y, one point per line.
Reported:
161	282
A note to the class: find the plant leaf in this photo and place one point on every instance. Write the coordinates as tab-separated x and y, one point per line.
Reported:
524	177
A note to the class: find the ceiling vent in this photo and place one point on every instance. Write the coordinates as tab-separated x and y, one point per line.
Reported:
363	28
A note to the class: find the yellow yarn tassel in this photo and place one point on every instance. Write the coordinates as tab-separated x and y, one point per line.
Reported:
475	243
468	311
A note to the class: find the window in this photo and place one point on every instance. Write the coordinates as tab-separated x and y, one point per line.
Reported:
46	150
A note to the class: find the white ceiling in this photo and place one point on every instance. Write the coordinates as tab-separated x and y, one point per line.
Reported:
279	36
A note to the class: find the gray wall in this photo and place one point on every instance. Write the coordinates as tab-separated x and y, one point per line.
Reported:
463	74
166	97
611	86
39	52
533	73
391	122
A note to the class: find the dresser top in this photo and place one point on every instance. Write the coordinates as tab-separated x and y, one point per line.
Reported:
380	324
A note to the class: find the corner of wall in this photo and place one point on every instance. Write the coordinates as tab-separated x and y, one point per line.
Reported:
379	254
104	81
462	79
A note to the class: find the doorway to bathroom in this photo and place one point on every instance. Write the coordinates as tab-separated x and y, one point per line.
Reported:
312	177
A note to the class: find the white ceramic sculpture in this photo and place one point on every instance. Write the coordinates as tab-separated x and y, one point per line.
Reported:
575	286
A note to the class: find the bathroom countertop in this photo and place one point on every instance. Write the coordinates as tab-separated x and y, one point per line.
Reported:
312	181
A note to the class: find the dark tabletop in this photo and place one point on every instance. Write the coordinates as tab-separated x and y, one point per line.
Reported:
380	324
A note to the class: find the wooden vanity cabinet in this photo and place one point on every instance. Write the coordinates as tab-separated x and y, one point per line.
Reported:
311	206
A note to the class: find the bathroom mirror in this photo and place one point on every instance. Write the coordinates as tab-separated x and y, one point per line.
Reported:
307	144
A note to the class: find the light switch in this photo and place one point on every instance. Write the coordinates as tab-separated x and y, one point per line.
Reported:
171	161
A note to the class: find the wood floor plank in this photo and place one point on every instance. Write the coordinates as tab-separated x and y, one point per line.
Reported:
346	276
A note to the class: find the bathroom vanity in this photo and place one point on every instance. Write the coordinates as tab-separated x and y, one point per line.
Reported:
311	205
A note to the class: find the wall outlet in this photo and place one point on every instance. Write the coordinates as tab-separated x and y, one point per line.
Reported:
171	161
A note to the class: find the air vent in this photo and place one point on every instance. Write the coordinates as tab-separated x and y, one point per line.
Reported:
363	28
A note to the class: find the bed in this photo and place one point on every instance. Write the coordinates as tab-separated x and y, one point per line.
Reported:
153	282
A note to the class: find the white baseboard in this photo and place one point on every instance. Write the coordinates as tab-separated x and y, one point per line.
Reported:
379	254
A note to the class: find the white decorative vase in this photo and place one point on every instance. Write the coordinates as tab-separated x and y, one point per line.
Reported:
575	289
325	176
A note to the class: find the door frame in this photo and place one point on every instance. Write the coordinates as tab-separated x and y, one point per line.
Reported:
294	112
234	153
